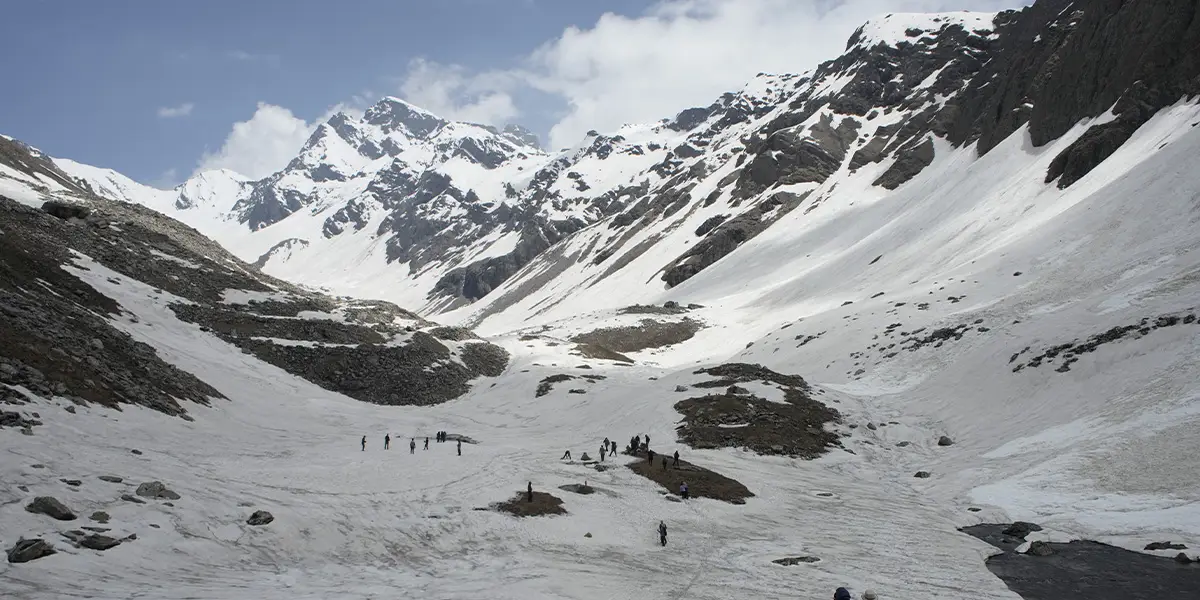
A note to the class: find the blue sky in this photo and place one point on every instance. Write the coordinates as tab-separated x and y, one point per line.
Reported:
153	89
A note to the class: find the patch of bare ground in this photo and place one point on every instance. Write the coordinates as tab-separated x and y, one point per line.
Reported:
702	483
543	504
735	418
649	333
600	353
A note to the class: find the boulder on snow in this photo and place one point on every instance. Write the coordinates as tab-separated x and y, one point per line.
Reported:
1183	558
111	478
578	488
100	516
96	541
1020	529
945	441
260	517
132	498
156	489
1039	548
922	475
681	388
50	507
27	550
795	560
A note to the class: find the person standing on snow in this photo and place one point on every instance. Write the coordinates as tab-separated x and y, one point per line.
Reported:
364	443
426	443
602	449
387	440
529	492
412	446
676	459
683	490
662	533
460	447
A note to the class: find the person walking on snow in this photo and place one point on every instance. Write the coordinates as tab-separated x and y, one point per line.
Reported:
426	443
387	440
460	447
650	456
683	490
529	492
412	446
364	443
602	449
566	456
662	533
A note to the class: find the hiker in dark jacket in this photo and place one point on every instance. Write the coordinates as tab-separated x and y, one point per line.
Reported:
602	449
566	455
841	594
387	440
662	533
364	442
460	447
412	446
676	459
426	443
529	492
664	463
650	456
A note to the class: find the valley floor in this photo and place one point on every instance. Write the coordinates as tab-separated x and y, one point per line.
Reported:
355	524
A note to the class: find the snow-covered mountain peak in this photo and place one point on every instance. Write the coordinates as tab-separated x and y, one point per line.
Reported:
394	114
897	28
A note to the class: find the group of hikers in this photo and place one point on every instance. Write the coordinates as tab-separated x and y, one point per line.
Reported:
441	436
637	444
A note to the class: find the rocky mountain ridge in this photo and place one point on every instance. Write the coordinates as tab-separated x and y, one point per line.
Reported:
67	255
448	212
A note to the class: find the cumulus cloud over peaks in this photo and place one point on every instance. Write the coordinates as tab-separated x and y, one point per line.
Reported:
678	54
261	145
450	92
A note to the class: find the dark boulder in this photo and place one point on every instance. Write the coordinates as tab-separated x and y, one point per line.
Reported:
27	550
96	541
1039	549
100	516
66	210
260	517
1020	529
50	507
922	475
1165	546
156	489
945	441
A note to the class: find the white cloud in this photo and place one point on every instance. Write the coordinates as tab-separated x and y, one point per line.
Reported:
261	145
680	53
170	112
450	92
686	53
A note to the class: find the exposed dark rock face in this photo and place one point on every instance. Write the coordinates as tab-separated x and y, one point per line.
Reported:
727	236
1069	570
